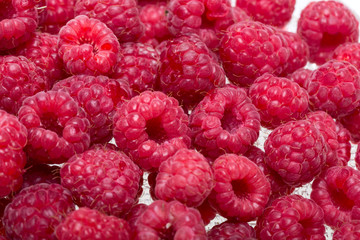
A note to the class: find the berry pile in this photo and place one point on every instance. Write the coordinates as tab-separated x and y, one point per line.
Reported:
104	104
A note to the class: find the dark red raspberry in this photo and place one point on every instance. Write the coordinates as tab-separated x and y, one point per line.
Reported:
188	70
225	121
250	49
19	78
57	127
102	179
169	220
186	177
276	13
85	223
3	203
301	77
207	212
231	230
17	22
98	96
324	25
41	173
241	190
134	213
352	123
151	127
279	100
335	88
296	151
348	52
348	231
87	46
121	16
344	150
336	191
291	217
36	211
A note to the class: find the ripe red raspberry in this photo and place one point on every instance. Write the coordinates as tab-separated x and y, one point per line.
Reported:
231	230
348	231
102	179
344	150
169	220
19	78
296	151
3	203
121	16
134	213
98	96
352	123
41	173
336	191
335	88
348	52
85	223
57	127
188	70
301	77
151	127
36	211
250	49
87	46
225	121
241	190
17	23
324	25
291	217
186	177
279	100
207	212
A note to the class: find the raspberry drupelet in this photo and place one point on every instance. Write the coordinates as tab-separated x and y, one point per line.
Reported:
324	25
57	127
88	46
348	231
225	121
241	190
151	127
301	77
348	52
231	230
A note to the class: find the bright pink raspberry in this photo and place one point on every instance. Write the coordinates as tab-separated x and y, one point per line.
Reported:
41	173
188	70
85	223
17	22
301	77
336	191
296	151
231	230
291	217
186	177
348	52
121	16
279	100
335	88
88	46
348	231
102	179
57	127
151	127
169	220
36	211
98	96
19	78
276	13
241	190
225	121
324	25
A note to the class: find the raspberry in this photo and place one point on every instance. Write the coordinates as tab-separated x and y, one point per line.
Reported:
138	65
335	88
279	100
41	173
357	157
102	179
352	123
134	213
86	223
301	77
19	78
348	52
188	70
207	212
241	190
230	230
344	149
296	151
150	128
17	22
169	220
98	96
3	203
348	231
291	217
121	16
186	177
36	211
87	46
57	127
336	191
225	121
324	25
